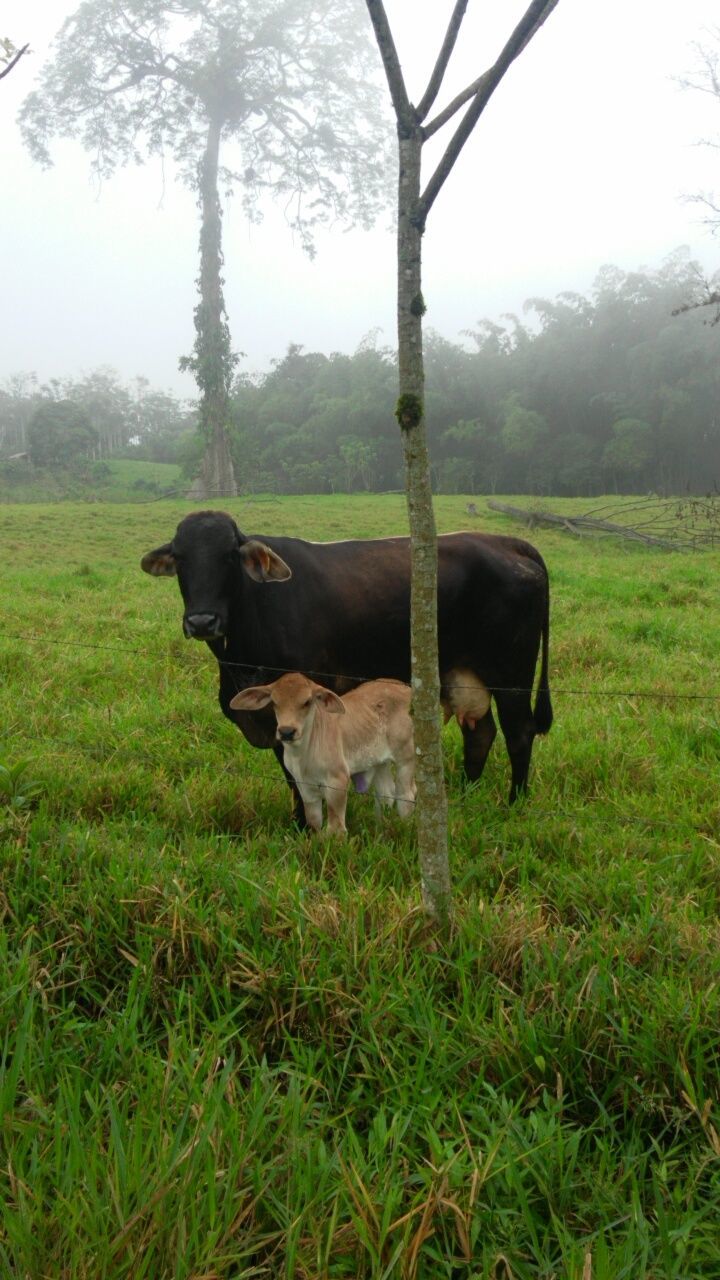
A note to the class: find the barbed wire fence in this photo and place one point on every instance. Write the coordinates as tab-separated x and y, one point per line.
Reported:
271	669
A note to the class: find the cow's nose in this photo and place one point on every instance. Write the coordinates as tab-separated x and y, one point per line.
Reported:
202	626
286	733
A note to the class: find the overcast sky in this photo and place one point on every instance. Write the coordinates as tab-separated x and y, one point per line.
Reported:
582	158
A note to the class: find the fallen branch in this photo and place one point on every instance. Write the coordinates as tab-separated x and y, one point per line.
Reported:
581	524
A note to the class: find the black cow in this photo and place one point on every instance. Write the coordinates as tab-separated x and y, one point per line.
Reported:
340	611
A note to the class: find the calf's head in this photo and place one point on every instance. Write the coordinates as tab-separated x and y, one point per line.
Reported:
207	554
294	699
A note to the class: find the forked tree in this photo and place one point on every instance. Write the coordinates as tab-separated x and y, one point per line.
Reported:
415	125
280	84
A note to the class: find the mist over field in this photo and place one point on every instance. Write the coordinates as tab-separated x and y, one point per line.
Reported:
612	392
584	158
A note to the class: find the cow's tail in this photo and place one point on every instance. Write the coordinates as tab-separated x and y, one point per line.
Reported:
543	713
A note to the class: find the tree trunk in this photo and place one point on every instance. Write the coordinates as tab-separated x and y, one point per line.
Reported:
213	360
431	798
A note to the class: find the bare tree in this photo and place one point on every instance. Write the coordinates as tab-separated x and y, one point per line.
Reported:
285	81
706	79
414	204
10	56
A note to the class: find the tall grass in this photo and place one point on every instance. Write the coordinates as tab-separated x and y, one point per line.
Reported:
231	1051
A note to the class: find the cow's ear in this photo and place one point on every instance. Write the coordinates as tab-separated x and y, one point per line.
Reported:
160	562
330	702
252	699
262	564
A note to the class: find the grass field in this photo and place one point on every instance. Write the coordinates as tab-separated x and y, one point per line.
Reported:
231	1051
114	480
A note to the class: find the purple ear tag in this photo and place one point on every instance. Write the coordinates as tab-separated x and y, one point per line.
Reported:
361	783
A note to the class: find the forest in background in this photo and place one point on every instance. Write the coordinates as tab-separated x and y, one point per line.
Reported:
616	391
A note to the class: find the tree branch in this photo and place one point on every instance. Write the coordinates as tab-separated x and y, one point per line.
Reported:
443	59
393	71
529	24
145	72
14	62
134	80
449	111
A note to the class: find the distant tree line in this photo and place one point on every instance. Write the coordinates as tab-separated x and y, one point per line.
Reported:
612	392
292	86
615	392
65	422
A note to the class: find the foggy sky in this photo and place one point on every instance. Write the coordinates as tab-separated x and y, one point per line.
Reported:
581	158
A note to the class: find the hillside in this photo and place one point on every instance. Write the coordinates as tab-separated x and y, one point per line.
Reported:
116	480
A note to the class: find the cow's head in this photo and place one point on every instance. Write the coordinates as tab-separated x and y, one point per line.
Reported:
207	553
294	699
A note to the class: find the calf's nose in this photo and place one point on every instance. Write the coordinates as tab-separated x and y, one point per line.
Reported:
286	733
202	626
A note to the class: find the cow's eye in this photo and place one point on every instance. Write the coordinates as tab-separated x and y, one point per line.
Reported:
306	704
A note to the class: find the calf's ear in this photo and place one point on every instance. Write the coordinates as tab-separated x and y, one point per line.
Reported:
252	699
160	562
262	564
330	702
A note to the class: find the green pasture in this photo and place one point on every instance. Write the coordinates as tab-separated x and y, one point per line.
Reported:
231	1051
112	480
129	479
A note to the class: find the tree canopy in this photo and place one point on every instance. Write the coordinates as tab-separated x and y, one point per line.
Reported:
287	84
293	84
59	433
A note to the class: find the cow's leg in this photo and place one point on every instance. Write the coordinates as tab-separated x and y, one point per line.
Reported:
518	726
477	743
298	808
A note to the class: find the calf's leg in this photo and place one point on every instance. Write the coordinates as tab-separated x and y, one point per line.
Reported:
405	789
298	808
383	786
312	800
336	790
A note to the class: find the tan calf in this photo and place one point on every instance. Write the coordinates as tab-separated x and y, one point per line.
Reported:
328	740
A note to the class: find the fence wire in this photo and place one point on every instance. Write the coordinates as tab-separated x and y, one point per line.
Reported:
106	758
661	695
